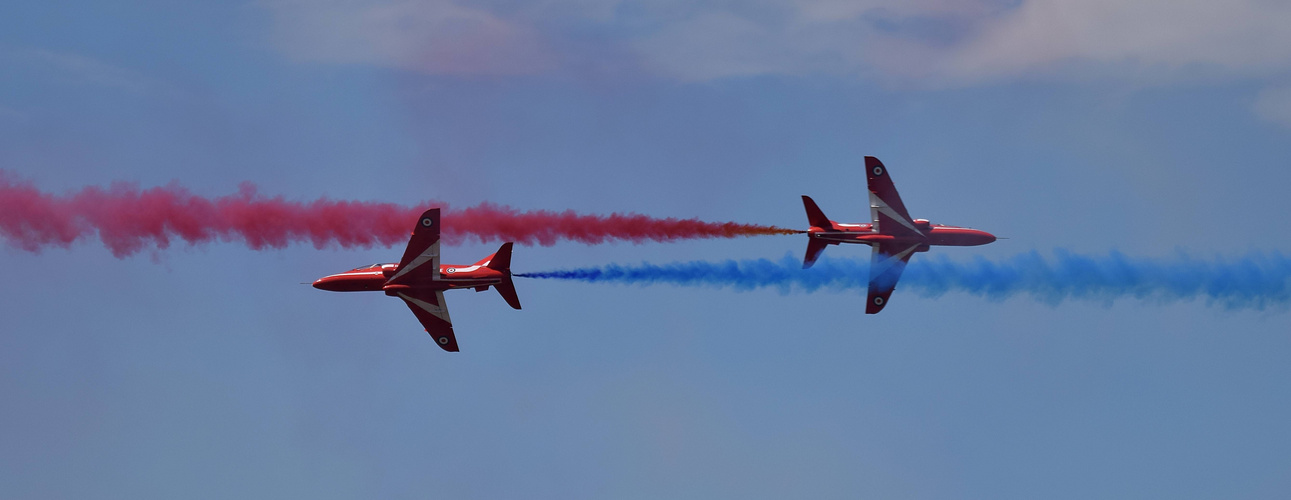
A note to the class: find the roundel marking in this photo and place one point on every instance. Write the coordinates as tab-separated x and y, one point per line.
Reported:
452	270
878	170
443	341
427	222
878	301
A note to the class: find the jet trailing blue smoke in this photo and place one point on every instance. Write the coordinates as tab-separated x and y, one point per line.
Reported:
1255	281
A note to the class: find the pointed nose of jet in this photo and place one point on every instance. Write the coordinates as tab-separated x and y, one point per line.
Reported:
328	283
361	281
982	237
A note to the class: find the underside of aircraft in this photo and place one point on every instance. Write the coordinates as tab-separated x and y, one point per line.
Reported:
420	280
891	233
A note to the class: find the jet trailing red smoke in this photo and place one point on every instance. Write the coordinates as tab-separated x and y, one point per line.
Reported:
129	219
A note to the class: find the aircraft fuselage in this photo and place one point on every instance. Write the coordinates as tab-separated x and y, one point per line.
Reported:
933	235
374	278
891	233
420	281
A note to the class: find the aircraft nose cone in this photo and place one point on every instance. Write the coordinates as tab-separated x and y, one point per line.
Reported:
326	283
985	237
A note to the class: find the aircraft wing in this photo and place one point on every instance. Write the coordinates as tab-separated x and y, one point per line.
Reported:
420	260
432	312
886	263
886	209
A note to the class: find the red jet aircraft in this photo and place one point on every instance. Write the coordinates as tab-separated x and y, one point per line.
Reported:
420	280
892	234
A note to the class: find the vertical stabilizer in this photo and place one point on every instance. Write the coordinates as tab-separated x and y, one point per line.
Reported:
814	248
815	217
501	261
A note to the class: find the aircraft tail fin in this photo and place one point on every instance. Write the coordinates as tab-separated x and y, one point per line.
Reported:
507	289
814	249
815	216
501	261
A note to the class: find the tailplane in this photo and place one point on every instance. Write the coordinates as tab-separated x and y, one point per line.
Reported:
814	248
815	217
501	261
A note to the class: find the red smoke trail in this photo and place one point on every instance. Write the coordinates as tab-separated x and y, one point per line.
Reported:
129	219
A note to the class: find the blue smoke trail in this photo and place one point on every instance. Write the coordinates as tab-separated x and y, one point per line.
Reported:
1255	281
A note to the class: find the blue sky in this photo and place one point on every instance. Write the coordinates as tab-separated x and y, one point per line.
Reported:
1148	127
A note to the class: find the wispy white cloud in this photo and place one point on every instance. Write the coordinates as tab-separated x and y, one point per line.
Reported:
929	42
971	42
428	36
1163	39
